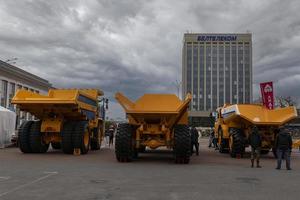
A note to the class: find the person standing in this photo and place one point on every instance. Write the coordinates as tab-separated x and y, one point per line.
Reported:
106	137
211	139
194	140
111	136
283	145
255	143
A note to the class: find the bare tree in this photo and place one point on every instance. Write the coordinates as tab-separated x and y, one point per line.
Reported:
285	101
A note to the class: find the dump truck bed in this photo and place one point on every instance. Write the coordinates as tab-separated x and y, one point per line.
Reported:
154	107
156	103
258	114
71	103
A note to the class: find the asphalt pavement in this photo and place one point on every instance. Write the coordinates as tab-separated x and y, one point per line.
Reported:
154	175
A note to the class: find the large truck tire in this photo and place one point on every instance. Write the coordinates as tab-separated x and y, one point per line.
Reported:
81	137
55	145
66	133
223	145
182	144
23	136
237	146
124	149
95	140
36	142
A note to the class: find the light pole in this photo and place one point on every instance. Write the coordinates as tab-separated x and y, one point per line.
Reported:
177	85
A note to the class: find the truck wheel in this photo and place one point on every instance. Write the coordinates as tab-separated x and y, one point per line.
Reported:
55	145
36	142
236	144
95	140
124	149
66	143
182	144
23	136
82	137
223	144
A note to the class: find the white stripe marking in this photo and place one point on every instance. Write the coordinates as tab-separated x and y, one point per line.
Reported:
4	177
30	183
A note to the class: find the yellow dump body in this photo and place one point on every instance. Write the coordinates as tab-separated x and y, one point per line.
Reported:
154	120
296	144
155	109
258	114
72	104
68	119
235	123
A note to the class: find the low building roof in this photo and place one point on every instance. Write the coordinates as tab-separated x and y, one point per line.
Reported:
24	75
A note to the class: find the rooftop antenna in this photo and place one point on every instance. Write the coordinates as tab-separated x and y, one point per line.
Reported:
11	61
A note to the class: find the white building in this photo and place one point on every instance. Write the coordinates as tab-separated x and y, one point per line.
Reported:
12	79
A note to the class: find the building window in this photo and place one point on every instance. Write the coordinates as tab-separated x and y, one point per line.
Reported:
3	94
11	94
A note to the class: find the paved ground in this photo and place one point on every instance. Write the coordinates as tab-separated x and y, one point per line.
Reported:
154	176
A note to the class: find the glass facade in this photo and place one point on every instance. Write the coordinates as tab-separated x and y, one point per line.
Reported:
247	72
189	68
214	81
221	74
218	72
201	77
233	74
207	77
240	73
195	77
227	74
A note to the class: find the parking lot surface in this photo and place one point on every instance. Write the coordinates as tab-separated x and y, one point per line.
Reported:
154	175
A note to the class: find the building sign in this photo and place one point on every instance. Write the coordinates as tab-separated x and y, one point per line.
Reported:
267	94
217	38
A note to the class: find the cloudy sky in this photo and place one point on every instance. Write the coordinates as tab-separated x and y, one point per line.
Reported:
135	46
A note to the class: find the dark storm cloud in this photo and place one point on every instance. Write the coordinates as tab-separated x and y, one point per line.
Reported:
135	46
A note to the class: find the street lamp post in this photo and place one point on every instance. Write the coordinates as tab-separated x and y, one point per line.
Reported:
177	85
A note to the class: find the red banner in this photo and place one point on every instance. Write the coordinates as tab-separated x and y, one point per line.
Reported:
267	94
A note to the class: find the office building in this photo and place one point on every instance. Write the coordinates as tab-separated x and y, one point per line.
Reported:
216	69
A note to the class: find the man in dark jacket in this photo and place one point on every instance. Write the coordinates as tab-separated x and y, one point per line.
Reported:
194	140
255	142
111	136
283	145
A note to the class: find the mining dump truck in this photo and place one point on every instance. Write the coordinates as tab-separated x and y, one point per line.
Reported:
154	120
68	119
234	124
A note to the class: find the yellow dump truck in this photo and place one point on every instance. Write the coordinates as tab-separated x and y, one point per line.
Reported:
68	119
296	144
234	124
154	120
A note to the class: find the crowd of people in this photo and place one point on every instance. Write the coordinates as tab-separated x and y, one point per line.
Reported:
282	146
